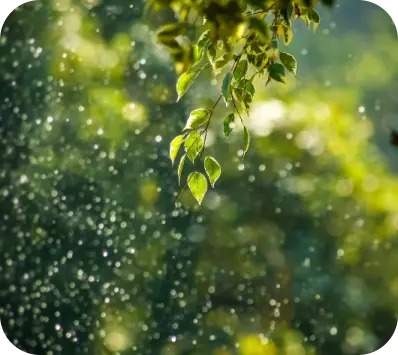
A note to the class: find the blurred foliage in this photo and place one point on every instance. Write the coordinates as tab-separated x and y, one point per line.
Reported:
294	253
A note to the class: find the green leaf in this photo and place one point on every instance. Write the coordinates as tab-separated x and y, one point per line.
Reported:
247	86
226	87
203	39
260	27
211	54
238	95
240	70
198	53
222	61
213	169
175	147
286	33
289	62
314	17
170	43
246	140
227	124
193	145
197	183
261	60
251	58
171	30
287	13
185	81
277	72
181	167
197	118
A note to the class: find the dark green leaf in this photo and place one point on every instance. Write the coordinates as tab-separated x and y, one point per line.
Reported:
260	27
213	169
226	87
241	70
228	121
175	147
247	86
197	183
289	62
314	17
277	72
211	53
170	43
238	94
193	145
197	118
261	60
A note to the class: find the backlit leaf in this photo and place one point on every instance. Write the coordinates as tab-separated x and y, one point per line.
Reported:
175	147
197	118
193	145
286	33
213	169
185	81
197	183
181	168
203	39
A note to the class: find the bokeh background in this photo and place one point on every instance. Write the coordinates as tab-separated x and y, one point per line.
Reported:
295	251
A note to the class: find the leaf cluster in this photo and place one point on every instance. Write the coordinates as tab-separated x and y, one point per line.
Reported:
240	39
